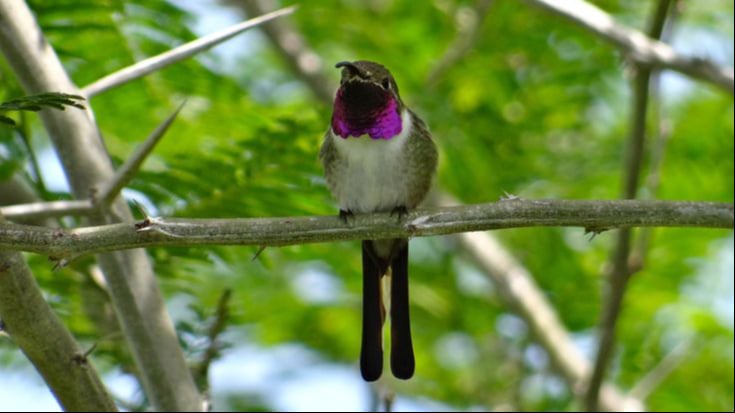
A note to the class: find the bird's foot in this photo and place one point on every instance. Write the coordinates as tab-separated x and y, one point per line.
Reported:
401	211
346	215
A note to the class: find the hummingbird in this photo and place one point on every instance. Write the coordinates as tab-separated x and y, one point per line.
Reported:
378	156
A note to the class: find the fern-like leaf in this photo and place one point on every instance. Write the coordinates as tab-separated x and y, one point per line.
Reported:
34	103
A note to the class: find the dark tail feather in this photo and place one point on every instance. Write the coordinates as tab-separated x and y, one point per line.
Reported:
401	353
371	354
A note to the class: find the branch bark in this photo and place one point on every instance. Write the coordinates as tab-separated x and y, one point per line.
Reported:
44	339
133	288
594	216
636	45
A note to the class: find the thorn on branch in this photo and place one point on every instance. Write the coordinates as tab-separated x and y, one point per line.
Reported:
258	252
59	263
140	209
594	231
82	360
145	223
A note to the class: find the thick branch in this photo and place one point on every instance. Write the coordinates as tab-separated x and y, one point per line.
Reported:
133	288
42	337
636	45
592	215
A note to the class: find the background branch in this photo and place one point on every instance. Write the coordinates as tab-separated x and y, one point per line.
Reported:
468	30
302	60
127	171
177	54
636	45
621	270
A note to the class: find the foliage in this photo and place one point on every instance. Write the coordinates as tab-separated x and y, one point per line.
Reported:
37	102
537	108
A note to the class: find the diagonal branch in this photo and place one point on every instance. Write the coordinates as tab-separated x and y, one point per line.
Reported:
640	48
594	216
135	294
662	370
44	339
38	210
177	54
303	61
126	172
521	293
621	270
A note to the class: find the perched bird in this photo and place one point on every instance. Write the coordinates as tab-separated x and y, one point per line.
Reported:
378	156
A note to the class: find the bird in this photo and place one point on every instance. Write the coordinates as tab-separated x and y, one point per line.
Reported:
379	156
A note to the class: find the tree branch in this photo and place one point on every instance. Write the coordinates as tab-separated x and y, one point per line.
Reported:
521	293
125	173
636	45
594	216
44	339
658	374
50	209
134	291
110	191
177	54
304	62
621	270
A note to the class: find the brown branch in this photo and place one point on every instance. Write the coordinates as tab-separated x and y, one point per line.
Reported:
621	270
221	316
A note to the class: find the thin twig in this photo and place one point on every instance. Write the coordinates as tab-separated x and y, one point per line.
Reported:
661	130
636	45
66	243
658	374
621	271
126	172
222	313
172	56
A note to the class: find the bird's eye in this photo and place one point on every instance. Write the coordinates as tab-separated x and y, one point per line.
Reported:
385	83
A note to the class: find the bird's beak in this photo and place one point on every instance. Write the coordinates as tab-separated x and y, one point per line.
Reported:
354	70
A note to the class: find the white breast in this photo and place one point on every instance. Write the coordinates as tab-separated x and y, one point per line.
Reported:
373	173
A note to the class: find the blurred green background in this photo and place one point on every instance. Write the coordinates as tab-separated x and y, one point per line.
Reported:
532	106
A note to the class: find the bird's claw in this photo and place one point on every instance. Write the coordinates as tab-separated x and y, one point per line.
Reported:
401	211
346	215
